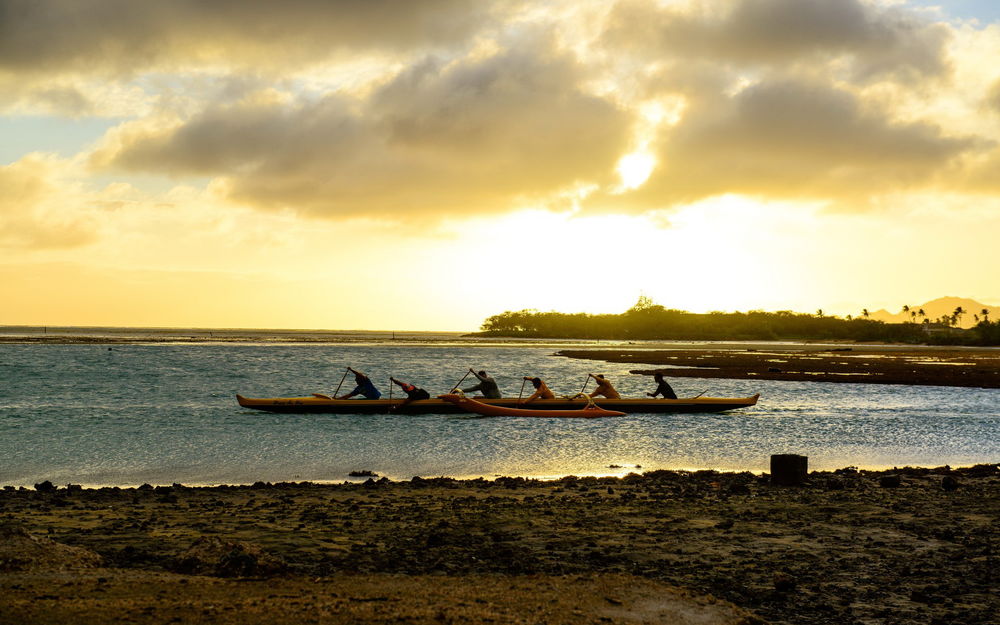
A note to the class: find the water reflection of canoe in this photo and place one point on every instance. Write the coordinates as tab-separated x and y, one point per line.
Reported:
440	406
588	411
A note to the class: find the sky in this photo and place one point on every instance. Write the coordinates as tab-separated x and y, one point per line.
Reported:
399	165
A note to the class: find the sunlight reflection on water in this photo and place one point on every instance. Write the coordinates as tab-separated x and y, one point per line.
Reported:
167	413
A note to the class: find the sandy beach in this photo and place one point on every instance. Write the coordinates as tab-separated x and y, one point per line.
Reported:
908	546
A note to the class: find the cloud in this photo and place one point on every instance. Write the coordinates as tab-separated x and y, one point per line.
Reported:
980	174
992	100
482	109
878	41
37	211
795	139
477	134
34	95
76	57
123	36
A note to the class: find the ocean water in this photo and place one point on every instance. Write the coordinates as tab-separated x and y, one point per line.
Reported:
161	413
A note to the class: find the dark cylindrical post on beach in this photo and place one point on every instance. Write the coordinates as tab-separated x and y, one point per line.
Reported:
789	469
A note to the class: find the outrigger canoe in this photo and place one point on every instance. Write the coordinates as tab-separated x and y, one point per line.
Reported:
440	406
589	411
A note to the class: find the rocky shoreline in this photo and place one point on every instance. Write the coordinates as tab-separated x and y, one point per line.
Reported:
908	546
882	364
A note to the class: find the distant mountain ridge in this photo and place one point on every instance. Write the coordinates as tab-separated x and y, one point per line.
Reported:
940	307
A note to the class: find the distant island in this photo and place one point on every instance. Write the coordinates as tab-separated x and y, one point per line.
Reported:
647	320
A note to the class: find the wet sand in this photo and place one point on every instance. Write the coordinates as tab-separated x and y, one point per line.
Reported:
870	364
909	546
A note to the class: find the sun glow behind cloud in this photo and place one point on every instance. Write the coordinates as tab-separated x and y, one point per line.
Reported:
709	258
635	169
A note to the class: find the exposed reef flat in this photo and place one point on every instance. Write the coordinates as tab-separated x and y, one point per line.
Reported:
883	364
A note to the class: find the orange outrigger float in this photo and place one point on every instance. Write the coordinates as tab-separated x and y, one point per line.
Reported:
590	411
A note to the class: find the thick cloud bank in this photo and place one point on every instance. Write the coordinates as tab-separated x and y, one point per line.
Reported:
398	109
476	135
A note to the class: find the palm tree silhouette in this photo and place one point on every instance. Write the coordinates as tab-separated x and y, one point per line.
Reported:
986	314
959	311
910	311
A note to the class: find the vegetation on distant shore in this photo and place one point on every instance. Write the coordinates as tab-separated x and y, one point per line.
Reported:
649	321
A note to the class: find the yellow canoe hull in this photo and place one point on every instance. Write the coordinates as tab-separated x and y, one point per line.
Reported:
438	406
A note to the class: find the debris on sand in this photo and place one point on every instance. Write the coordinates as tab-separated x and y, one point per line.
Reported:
20	551
210	555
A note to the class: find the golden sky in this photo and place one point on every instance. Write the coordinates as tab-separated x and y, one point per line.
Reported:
390	164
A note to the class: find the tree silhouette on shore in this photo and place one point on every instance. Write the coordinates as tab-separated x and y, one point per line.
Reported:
647	320
957	315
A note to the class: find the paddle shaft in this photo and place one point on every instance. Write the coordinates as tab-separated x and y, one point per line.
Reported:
454	388
585	383
337	392
521	392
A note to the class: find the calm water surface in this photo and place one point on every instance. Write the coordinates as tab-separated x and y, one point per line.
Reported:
164	413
